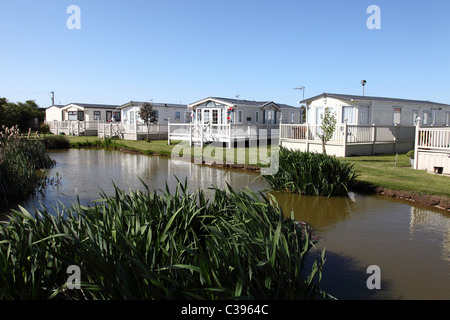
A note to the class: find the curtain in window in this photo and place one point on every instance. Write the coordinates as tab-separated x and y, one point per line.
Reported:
348	114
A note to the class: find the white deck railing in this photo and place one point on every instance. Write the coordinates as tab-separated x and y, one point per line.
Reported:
72	127
434	138
432	149
218	132
348	134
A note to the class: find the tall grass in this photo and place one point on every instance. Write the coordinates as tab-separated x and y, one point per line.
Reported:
20	157
160	245
312	174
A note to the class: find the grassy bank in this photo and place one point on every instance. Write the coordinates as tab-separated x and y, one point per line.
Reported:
379	170
383	171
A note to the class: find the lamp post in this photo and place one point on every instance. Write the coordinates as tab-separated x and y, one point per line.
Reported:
301	113
363	83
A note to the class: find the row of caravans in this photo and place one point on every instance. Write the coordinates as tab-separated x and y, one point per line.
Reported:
216	110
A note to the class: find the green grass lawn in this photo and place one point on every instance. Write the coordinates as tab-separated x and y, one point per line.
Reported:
382	171
379	170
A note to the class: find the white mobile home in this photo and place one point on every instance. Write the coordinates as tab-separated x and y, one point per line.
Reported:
365	110
365	125
225	110
164	111
226	120
53	113
90	112
79	118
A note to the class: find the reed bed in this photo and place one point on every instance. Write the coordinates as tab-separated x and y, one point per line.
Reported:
312	174
160	245
20	157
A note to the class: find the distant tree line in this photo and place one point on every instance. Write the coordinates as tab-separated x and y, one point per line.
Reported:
20	113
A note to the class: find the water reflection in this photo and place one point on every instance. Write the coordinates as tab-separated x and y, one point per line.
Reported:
85	173
318	211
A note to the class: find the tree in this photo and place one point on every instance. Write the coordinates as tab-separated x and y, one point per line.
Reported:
148	115
327	127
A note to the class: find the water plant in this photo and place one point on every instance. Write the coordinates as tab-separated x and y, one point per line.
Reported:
20	157
311	173
160	245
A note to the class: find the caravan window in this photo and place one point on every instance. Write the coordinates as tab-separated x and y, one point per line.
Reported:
397	115
72	116
348	114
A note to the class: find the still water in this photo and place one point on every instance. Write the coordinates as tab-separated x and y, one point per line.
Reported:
410	244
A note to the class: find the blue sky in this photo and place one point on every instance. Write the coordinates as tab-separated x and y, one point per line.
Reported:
185	50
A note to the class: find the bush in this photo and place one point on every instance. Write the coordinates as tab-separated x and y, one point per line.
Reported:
410	154
311	174
148	245
44	129
57	142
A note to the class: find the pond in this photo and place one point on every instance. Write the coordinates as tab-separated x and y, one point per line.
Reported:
410	244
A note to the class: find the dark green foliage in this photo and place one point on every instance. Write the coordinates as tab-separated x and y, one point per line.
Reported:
312	174
57	142
19	160
153	245
21	113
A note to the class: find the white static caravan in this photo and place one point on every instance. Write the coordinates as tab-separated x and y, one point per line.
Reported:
226	120
365	125
225	110
90	112
80	118
382	111
164	111
53	113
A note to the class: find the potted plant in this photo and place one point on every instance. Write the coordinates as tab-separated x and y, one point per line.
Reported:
410	155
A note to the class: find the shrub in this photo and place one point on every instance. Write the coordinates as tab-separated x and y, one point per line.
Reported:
148	245
44	129
311	174
57	142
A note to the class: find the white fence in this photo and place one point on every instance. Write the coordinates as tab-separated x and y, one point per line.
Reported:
132	131
349	139
432	149
74	128
228	133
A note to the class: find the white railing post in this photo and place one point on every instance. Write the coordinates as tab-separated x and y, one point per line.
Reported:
395	137
190	135
374	138
168	131
307	137
345	138
416	144
280	133
229	135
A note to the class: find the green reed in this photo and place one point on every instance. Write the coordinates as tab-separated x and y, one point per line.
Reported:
312	174
20	157
154	245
